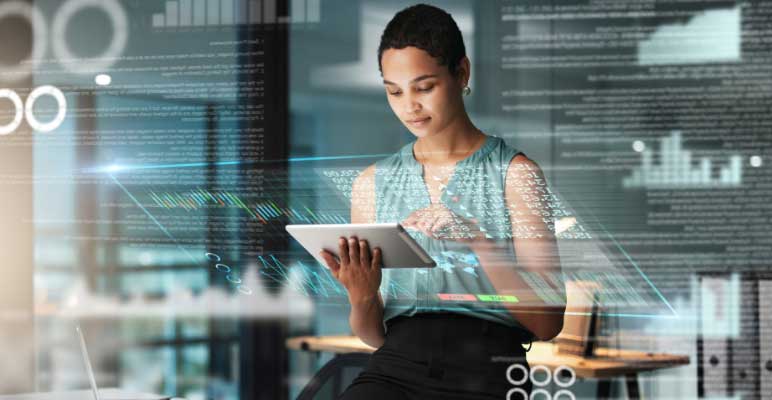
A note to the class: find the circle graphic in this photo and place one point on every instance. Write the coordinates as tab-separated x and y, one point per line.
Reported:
523	394
559	373
18	114
521	368
209	257
244	290
230	279
546	371
114	50
564	392
61	111
756	161
639	146
39	34
103	79
543	392
222	267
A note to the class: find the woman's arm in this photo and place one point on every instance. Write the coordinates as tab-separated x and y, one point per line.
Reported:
366	318
358	270
535	247
360	273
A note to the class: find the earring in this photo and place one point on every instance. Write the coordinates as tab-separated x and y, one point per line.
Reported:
467	91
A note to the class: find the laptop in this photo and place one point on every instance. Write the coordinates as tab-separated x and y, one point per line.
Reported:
94	394
109	394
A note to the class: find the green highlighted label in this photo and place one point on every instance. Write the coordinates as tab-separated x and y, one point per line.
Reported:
498	298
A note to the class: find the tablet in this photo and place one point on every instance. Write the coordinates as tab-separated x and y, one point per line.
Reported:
398	249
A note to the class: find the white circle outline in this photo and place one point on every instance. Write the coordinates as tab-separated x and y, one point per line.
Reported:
543	391
9	94
545	369
228	278
242	291
569	393
509	374
120	35
516	390
570	381
61	101
39	36
217	267
212	254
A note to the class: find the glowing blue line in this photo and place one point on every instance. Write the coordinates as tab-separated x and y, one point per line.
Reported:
646	278
134	199
113	169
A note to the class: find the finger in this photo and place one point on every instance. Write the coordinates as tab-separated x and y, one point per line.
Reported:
343	252
410	226
364	253
329	259
409	222
376	262
353	249
438	223
425	225
417	225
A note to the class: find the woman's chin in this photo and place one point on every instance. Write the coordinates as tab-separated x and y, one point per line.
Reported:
420	132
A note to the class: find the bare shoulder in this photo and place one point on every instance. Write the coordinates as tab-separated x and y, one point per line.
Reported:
367	173
523	169
365	179
363	196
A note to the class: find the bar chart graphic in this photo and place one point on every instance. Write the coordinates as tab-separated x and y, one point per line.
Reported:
675	169
264	211
199	13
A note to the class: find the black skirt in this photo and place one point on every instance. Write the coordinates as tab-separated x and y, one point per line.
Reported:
445	356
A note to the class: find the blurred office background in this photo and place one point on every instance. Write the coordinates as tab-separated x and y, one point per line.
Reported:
167	143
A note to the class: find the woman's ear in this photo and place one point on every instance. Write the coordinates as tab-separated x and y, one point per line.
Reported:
463	72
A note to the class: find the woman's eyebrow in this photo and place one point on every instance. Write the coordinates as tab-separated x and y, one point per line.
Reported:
420	78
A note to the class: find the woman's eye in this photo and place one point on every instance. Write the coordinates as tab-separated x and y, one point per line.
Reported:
425	89
397	93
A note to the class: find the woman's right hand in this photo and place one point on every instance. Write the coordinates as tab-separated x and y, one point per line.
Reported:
358	270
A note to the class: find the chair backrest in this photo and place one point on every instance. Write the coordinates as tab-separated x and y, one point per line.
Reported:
334	377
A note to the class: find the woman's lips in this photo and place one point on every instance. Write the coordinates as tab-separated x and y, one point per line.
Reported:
419	122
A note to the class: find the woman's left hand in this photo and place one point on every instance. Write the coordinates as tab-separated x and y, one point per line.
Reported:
439	222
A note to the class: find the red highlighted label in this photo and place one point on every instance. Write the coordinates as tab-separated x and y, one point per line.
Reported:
456	297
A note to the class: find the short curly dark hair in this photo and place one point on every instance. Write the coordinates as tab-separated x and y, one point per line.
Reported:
428	28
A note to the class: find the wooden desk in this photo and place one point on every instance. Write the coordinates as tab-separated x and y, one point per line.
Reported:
606	365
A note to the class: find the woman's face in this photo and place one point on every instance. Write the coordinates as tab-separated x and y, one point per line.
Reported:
423	94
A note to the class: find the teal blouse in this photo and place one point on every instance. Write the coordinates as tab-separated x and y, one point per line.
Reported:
458	283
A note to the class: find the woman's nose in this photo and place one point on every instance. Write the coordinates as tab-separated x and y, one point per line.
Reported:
412	106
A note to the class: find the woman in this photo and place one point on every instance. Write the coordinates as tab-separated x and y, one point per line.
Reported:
460	192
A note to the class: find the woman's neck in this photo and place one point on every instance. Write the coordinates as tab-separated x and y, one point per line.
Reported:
450	145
